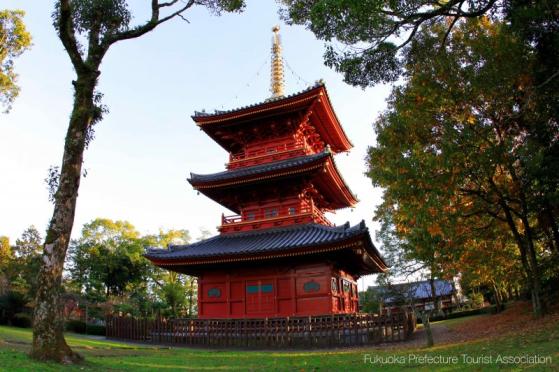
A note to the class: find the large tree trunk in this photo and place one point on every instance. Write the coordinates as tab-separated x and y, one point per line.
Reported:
553	225
498	300
434	296
425	315
529	261
48	321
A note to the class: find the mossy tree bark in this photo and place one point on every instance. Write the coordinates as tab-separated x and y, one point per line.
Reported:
48	337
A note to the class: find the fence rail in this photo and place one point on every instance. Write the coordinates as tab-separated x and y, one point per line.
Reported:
288	332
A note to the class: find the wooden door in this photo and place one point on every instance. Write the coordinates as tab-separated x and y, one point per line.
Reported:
260	297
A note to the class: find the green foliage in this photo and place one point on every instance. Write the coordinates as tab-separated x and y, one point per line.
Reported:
374	33
107	266
14	40
19	265
29	244
476	299
369	301
107	260
104	16
26	262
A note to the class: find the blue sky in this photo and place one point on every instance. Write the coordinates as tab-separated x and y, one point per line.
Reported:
146	146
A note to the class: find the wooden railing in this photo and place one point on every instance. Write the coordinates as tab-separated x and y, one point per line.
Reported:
268	150
288	332
268	153
276	214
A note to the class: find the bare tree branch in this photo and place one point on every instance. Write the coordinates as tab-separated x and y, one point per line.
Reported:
149	25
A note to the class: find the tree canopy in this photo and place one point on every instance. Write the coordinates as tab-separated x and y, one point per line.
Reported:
374	33
14	40
459	157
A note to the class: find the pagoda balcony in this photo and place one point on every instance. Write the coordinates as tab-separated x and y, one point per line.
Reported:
266	154
274	216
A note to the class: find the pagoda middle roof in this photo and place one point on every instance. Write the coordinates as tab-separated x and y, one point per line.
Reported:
335	189
277	242
197	179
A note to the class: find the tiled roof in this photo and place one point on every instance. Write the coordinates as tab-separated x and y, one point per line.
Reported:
415	290
198	114
264	241
257	169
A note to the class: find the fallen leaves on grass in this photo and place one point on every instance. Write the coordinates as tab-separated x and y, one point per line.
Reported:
517	318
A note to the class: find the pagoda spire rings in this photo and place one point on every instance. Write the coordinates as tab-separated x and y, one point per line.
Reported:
277	78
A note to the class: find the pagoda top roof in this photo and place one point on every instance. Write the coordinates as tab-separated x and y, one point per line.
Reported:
199	115
272	243
303	100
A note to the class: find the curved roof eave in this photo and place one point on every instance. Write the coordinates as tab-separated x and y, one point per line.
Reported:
270	243
251	112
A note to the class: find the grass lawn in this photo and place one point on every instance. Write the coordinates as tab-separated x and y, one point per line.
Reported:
453	323
105	355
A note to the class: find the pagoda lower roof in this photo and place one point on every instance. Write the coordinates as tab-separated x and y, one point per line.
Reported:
296	240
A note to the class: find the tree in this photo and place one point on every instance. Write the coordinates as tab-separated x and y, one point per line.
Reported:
26	263
106	261
87	29
411	251
369	301
29	244
14	40
5	253
176	290
456	151
106	265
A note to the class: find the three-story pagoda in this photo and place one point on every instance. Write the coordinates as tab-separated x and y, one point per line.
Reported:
278	255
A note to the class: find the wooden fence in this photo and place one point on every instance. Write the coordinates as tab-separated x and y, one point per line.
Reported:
289	332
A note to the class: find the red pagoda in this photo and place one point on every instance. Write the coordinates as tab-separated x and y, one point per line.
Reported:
278	255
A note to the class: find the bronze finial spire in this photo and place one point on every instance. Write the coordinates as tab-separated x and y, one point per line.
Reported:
277	65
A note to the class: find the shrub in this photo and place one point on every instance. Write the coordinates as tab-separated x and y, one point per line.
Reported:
76	326
97	330
11	303
22	320
477	300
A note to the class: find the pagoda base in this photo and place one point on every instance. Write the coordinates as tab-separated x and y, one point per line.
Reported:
276	291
